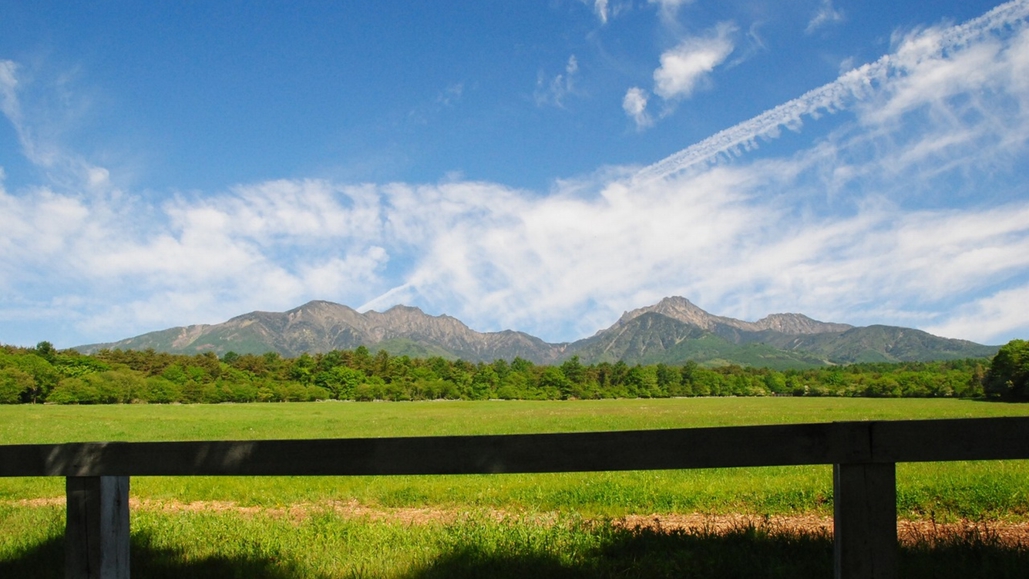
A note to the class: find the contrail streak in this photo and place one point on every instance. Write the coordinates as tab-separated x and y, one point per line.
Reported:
837	95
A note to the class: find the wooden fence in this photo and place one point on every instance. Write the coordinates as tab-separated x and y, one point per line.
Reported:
863	455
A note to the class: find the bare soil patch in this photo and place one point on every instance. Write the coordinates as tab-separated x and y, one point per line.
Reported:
909	531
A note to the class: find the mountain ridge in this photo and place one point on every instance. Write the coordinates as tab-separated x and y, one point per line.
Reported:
680	308
673	330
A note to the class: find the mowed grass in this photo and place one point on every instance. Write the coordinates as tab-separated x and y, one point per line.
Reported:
48	424
500	525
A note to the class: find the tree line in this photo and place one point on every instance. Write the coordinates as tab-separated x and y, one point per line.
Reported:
46	375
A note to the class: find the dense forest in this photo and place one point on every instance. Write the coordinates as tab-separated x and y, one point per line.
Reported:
46	375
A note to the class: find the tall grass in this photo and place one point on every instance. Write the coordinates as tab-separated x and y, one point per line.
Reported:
222	545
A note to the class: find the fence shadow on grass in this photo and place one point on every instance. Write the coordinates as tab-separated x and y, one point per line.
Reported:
747	552
46	561
744	552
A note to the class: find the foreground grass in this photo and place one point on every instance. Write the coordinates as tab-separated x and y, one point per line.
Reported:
323	546
550	526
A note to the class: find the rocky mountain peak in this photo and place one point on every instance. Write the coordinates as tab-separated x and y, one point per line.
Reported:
322	313
798	324
402	319
683	310
677	308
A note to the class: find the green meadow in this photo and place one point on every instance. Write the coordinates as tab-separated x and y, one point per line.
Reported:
552	524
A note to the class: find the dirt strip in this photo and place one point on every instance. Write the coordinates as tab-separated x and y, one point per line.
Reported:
909	531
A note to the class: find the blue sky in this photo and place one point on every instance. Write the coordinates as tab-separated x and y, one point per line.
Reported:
533	166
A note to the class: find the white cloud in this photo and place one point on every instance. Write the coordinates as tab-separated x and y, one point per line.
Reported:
670	8
846	229
825	15
683	70
865	83
553	91
685	66
8	91
635	106
38	133
450	95
999	314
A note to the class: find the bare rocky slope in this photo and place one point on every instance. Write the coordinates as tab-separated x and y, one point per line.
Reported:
672	331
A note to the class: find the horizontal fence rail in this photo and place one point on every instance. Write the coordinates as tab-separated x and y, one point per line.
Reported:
863	455
719	447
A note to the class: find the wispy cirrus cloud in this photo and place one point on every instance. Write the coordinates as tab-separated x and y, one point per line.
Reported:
553	90
825	15
600	8
916	53
8	91
38	135
606	10
669	9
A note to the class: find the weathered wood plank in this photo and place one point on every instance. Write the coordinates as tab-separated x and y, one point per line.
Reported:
568	452
956	439
97	531
823	443
865	521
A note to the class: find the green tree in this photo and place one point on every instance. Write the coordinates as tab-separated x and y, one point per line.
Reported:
15	384
513	386
302	369
362	359
573	370
43	373
74	391
668	379
47	351
520	364
641	381
1008	376
484	382
775	382
553	383
161	391
381	364
343	382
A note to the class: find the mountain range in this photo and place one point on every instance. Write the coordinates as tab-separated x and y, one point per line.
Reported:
672	331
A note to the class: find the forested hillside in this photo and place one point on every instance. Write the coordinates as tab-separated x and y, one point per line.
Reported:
45	375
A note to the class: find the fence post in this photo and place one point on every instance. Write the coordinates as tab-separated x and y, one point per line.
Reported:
96	538
865	521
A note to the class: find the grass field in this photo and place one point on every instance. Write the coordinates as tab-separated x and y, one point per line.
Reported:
552	524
